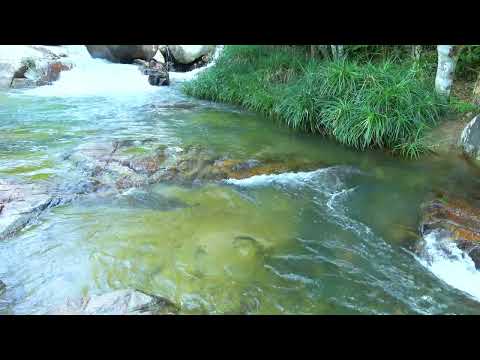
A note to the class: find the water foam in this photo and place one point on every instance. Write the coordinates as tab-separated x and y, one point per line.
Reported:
99	77
280	179
447	262
95	77
190	75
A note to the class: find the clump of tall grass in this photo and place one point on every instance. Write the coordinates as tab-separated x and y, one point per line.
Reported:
362	105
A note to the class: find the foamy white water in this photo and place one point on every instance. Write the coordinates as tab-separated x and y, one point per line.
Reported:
99	77
95	77
330	183
190	75
450	264
283	178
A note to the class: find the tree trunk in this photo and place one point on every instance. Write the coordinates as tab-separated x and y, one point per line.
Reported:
337	51
324	51
447	60
340	51
476	91
416	52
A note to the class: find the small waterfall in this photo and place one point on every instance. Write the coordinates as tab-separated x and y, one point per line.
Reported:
99	77
447	262
95	77
186	76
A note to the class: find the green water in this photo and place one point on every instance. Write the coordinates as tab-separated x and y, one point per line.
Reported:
333	241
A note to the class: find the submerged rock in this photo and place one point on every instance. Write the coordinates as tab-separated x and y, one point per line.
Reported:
120	302
111	168
3	287
470	139
149	200
457	220
116	165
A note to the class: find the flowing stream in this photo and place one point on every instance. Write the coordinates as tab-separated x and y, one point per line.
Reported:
332	240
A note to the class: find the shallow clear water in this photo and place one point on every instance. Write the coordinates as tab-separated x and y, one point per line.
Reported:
333	240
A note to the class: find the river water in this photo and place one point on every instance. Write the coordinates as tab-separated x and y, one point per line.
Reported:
334	240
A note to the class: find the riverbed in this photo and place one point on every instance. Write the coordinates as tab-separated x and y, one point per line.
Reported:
338	238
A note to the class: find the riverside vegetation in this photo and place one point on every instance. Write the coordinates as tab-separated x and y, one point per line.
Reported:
369	99
117	197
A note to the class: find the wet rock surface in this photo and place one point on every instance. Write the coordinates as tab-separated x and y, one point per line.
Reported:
455	219
470	139
25	66
19	204
123	165
120	302
156	71
112	164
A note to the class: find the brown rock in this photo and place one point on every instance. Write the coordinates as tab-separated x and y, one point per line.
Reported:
458	219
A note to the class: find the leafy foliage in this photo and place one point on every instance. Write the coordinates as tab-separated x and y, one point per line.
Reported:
362	104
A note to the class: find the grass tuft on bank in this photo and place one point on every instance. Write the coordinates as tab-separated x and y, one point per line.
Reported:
363	105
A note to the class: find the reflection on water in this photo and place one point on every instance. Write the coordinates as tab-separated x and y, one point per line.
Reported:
334	240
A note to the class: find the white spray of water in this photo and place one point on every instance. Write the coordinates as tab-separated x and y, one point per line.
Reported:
440	255
281	179
190	75
95	77
98	77
450	264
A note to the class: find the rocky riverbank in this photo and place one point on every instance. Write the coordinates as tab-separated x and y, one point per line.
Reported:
31	65
26	66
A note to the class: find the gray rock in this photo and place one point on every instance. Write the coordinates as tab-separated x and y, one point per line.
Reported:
35	65
123	53
7	72
470	138
186	54
3	287
157	74
19	205
120	302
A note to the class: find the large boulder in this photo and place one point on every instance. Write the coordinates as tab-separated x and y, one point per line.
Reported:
470	138
120	302
29	65
187	54
123	53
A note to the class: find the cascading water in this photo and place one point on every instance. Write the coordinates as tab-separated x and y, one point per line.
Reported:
98	77
449	263
178	76
95	77
321	241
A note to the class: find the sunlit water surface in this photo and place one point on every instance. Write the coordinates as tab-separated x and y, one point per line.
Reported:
333	240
